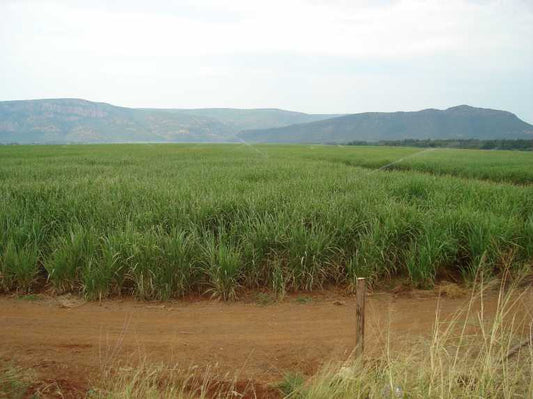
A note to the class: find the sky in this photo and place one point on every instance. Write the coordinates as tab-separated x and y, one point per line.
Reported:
316	56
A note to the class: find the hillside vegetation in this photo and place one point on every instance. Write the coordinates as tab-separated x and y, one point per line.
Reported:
159	221
462	122
80	121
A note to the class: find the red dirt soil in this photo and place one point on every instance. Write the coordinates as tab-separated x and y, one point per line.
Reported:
72	345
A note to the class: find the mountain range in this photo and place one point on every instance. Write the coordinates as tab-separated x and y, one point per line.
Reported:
81	121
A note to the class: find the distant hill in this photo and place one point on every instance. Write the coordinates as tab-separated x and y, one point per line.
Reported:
461	122
81	121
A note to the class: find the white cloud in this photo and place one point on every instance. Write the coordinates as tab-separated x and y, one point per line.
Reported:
358	29
85	48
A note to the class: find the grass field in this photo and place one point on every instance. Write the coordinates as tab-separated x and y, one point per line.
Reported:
160	221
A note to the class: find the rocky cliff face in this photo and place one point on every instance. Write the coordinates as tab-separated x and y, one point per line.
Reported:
74	120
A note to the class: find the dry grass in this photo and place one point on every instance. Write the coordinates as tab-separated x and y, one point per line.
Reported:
467	357
160	381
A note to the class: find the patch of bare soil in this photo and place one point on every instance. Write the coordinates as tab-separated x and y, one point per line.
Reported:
71	345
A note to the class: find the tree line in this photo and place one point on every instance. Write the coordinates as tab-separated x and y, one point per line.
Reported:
518	144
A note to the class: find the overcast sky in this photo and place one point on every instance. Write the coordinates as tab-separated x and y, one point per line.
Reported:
315	56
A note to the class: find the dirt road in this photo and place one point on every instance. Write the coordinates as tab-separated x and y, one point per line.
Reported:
75	342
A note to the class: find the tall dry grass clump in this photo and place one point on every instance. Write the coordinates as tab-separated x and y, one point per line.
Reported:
478	353
163	382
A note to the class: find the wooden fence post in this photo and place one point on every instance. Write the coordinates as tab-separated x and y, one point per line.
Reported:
360	317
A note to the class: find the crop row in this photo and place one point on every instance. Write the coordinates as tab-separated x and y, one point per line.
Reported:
167	221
